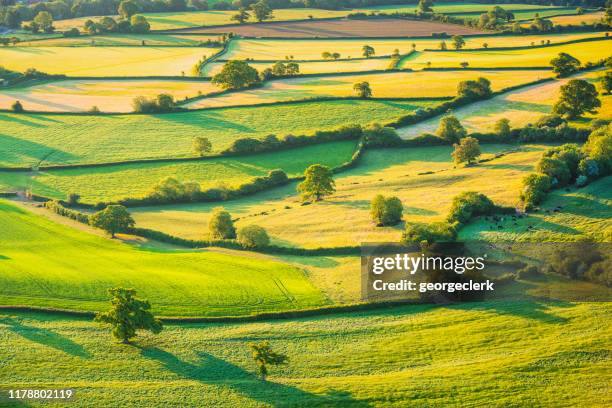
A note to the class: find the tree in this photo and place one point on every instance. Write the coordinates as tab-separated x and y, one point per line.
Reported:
265	356
577	97
326	55
140	24
336	55
425	6
442	45
253	236
17	107
73	198
112	219
292	68
458	42
235	75
502	127
535	187
606	82
467	150
464	64
164	102
127	8
485	45
128	314
279	68
478	89
242	15
363	89
318	183
201	145
450	129
262	10
368	51
221	225
44	20
386	210
564	65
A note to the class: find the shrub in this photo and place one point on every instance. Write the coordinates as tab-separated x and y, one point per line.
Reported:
253	236
556	169
450	129
221	225
550	121
478	89
570	154
386	210
469	204
17	107
535	187
377	135
467	150
430	233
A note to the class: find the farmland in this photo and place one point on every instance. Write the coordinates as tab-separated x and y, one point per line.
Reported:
105	183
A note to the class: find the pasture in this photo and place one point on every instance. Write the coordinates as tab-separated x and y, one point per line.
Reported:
536	57
127	40
588	18
135	180
383	85
79	267
543	351
39	139
415	175
105	61
106	95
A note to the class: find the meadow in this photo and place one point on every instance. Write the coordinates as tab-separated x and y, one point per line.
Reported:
521	107
128	40
414	175
510	353
105	61
79	267
588	18
135	180
536	57
106	95
383	85
46	139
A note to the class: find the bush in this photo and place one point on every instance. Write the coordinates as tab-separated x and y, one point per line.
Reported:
535	187
376	135
469	204
478	89
430	233
450	129
17	107
162	103
253	236
221	225
528	272
570	154
386	210
556	169
550	121
73	32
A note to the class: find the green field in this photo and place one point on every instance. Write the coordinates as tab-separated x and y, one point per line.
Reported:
107	95
51	265
105	61
521	107
344	218
513	353
537	57
135	180
383	85
60	139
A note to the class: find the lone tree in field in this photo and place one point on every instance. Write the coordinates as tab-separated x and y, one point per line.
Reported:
127	8
363	89
326	55
128	314
564	65
201	146
606	82
318	183
478	89
386	210
502	127
262	10
44	20
450	129
425	6
235	75
253	236
221	225
140	25
577	97
112	219
17	107
368	51
458	42
467	150
265	356
241	16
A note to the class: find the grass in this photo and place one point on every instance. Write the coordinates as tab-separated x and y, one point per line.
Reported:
277	49
588	18
135	180
105	61
520	107
384	85
323	67
80	267
110	40
59	139
344	218
530	14
536	57
107	95
586	212
527	352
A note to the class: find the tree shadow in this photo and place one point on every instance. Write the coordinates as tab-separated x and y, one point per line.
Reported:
45	337
211	369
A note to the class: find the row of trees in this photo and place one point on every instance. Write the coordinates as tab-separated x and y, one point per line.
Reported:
261	11
126	24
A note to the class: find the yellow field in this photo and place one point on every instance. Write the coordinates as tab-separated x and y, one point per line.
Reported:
105	61
384	85
520	107
588	18
315	67
271	49
537	57
344	219
109	40
107	95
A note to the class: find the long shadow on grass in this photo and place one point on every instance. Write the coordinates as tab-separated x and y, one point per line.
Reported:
214	370
45	337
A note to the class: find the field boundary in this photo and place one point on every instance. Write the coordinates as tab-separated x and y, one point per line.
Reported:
523	47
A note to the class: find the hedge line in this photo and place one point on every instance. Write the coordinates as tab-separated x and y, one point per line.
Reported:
523	47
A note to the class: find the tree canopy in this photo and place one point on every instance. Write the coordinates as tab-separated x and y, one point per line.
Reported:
235	75
577	97
318	182
112	219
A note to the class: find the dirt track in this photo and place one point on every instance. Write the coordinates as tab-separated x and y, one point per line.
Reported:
387	27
